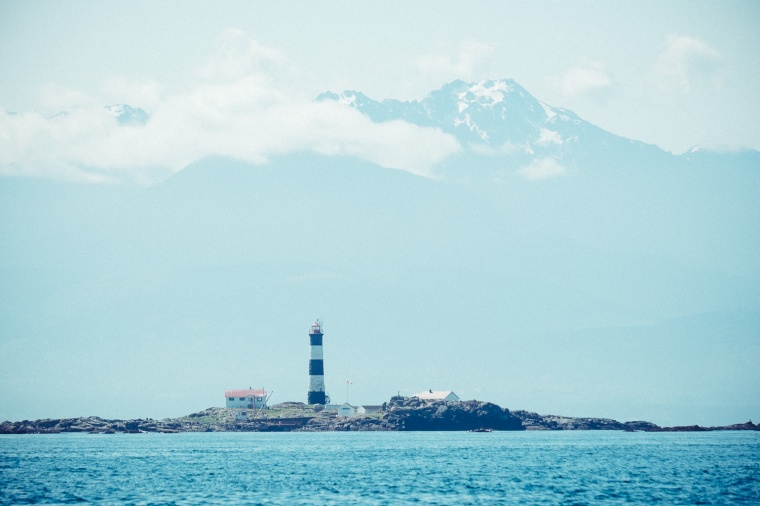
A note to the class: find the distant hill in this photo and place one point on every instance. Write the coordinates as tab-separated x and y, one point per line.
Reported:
550	264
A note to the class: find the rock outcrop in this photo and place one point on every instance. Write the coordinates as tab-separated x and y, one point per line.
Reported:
399	414
697	428
405	413
328	422
534	421
91	425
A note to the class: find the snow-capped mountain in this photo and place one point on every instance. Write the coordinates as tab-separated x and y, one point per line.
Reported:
497	114
128	115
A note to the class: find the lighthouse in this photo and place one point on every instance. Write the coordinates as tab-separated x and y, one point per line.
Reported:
316	366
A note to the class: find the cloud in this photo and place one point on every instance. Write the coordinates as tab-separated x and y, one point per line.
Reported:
147	93
507	148
586	78
238	55
686	62
542	169
235	108
465	63
54	99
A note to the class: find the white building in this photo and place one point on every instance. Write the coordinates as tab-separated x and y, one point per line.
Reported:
437	395
346	410
250	398
368	409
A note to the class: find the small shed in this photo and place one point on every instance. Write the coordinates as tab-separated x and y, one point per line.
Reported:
437	395
346	410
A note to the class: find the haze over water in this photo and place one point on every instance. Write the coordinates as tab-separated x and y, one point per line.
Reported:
550	207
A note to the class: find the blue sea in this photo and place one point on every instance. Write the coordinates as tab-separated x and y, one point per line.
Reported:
577	467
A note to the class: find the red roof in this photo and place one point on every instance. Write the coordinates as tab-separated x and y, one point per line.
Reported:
245	393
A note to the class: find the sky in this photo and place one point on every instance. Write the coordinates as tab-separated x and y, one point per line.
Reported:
635	275
677	75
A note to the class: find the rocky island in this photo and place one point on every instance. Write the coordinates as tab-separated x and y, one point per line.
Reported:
398	414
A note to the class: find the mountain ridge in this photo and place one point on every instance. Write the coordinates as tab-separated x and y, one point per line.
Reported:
498	113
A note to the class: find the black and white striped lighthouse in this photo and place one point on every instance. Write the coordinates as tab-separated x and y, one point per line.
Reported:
316	366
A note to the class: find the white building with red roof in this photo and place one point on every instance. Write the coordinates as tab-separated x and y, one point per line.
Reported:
250	398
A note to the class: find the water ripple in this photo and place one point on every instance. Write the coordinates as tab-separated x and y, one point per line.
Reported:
382	468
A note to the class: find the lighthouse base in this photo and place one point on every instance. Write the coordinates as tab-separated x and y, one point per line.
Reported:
316	398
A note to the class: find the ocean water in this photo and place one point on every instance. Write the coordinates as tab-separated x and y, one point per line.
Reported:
382	468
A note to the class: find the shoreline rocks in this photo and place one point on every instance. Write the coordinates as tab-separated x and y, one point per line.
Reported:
399	414
534	421
412	414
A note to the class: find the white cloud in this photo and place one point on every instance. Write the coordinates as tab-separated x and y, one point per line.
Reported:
236	109
685	62
121	90
586	78
507	148
541	169
54	99
465	62
238	55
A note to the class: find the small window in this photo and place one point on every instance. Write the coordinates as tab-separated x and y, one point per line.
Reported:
259	398
230	398
241	398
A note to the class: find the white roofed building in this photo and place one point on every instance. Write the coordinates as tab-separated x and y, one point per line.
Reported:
250	398
368	409
346	410
437	395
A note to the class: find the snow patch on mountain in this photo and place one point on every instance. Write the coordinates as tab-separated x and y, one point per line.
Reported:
549	111
467	121
484	93
127	115
548	137
347	100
